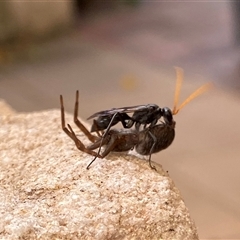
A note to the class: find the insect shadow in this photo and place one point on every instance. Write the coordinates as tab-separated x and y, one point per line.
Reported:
149	140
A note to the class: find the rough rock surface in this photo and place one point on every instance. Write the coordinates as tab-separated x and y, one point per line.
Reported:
47	193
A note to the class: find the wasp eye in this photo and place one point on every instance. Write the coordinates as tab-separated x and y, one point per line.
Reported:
167	114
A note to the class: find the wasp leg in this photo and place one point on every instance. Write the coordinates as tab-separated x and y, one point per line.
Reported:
95	145
151	150
105	134
117	114
111	143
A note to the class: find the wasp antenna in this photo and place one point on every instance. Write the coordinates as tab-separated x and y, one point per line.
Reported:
195	94
179	80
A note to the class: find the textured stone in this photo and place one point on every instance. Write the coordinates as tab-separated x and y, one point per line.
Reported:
46	192
5	109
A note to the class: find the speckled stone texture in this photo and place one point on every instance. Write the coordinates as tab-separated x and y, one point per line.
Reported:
46	192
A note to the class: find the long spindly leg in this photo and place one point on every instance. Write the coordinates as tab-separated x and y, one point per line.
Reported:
103	138
151	150
91	137
110	144
97	142
64	128
95	145
81	146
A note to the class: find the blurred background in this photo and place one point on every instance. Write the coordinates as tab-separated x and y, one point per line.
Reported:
123	53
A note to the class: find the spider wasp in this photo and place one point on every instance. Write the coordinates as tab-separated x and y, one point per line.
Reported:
149	139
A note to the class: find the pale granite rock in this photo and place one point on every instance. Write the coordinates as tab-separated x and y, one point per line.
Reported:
46	192
5	109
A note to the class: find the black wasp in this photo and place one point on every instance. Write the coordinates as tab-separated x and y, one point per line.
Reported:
146	115
151	139
142	115
145	142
